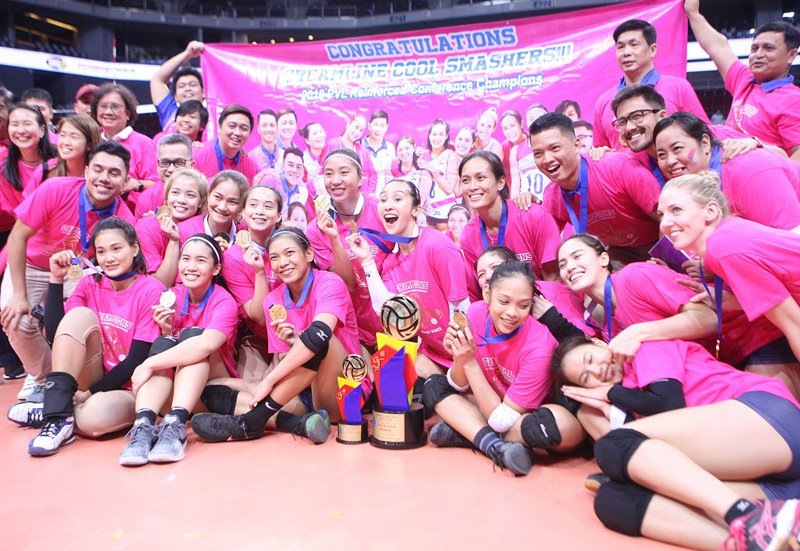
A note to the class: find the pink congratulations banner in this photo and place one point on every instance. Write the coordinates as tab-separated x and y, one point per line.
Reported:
451	73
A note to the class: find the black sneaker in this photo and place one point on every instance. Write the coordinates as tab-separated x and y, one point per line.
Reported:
512	456
14	372
213	427
443	435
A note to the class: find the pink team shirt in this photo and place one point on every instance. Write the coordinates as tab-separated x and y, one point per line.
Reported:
219	313
622	194
205	162
144	162
53	210
328	295
197	224
433	275
532	235
773	117
518	368
368	322
10	198
240	278
704	379
764	188
760	264
124	316
150	199
566	302
152	241
678	96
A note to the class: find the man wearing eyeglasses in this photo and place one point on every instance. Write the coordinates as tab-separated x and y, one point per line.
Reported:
636	49
174	152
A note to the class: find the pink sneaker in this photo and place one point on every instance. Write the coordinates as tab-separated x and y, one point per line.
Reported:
770	527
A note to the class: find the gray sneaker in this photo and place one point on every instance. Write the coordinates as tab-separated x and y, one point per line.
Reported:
36	395
142	436
171	444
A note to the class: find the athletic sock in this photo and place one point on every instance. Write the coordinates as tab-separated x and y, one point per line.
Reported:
219	399
287	422
486	439
180	413
59	390
738	509
148	414
256	419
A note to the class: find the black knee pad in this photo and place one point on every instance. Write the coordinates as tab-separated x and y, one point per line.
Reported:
162	344
190	332
613	452
435	389
317	338
219	399
621	507
540	430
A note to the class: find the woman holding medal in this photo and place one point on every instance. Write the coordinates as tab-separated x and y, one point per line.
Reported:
224	203
633	313
343	211
686	463
533	234
247	277
198	329
105	333
500	354
312	329
424	264
757	263
185	195
441	163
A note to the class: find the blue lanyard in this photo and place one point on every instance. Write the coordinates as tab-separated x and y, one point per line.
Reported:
608	303
717	302
287	190
583	190
202	304
123	277
497	338
83	205
287	298
221	156
374	235
501	231
270	156
715	163
657	172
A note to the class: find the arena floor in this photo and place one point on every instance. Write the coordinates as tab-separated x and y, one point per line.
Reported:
285	493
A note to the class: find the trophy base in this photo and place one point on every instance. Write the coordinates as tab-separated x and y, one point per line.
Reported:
398	430
352	433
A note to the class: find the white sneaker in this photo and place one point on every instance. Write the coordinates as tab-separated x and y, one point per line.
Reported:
55	433
27	414
27	387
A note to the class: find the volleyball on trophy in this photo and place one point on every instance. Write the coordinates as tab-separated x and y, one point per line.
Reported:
400	317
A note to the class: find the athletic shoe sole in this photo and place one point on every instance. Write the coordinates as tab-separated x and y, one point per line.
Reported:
25	423
42	452
167	457
133	461
594	481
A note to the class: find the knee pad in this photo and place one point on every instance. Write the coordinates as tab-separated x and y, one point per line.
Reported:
435	389
621	507
190	332
162	344
613	452
540	430
317	338
219	399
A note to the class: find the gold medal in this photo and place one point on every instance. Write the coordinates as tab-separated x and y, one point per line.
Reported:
460	319
277	312
168	298
322	204
74	272
243	238
162	211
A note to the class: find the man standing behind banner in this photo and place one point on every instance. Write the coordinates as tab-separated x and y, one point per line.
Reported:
636	48
766	104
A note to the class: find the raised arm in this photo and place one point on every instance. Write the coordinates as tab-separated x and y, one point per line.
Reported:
713	42
159	84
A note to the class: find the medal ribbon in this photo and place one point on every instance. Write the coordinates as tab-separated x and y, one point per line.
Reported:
717	302
202	304
501	231
583	190
84	205
373	236
287	297
497	338
221	156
